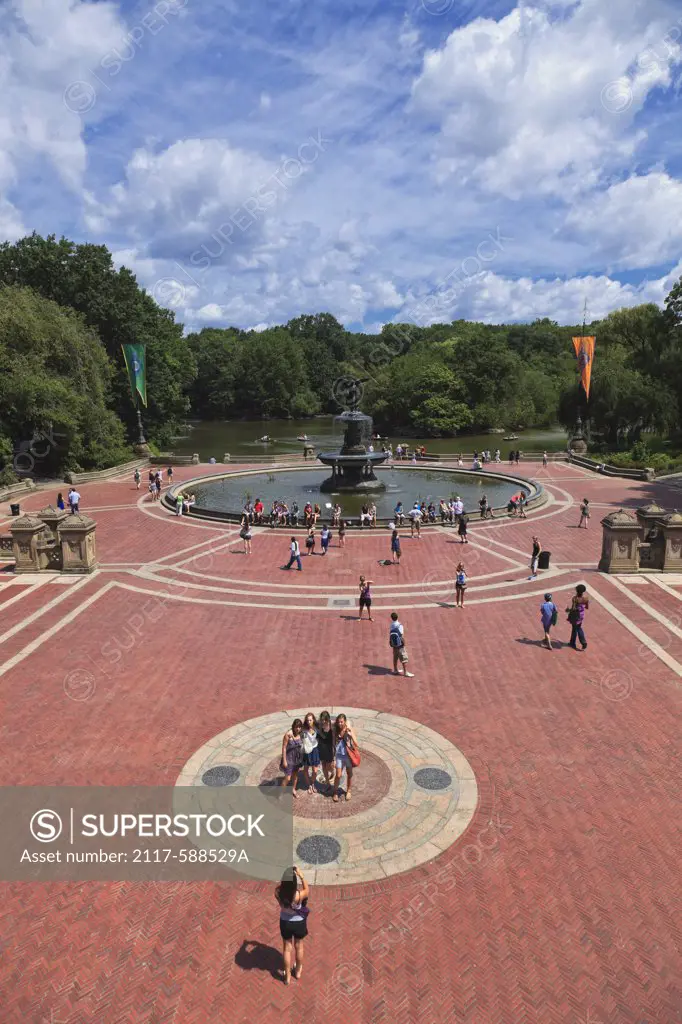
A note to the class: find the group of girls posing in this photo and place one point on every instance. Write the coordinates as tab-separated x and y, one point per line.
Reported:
312	743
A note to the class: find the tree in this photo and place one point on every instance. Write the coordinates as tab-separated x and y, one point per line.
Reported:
54	386
83	277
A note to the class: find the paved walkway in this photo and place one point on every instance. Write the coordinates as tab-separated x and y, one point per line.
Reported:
560	901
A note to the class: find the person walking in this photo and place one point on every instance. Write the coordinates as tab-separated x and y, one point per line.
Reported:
548	616
460	585
311	753
310	541
74	500
60	502
395	546
544	460
325	537
292	754
366	597
295	555
584	513
137	478
325	744
292	896
396	641
462	529
179	499
342	534
535	555
169	475
576	616
343	736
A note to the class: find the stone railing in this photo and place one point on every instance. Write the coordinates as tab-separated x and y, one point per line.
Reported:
606	470
16	490
167	459
106	474
650	539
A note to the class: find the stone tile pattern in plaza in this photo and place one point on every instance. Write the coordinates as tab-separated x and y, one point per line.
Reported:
410	825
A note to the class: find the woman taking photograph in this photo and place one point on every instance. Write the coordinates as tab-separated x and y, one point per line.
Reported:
246	534
311	753
292	754
365	587
292	896
343	737
325	745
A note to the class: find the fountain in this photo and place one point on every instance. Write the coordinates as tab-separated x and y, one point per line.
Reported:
353	466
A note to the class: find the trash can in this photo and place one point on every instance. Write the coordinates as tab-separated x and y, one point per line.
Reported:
543	560
15	509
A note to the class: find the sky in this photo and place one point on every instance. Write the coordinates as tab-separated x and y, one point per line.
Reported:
416	161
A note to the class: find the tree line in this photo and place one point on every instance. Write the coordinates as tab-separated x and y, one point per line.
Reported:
65	311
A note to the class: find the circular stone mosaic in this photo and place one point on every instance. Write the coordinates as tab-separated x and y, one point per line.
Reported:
416	799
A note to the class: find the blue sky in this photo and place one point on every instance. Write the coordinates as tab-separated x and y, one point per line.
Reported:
418	161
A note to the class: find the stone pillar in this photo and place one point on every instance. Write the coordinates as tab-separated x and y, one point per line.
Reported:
620	543
77	537
27	534
671	526
652	548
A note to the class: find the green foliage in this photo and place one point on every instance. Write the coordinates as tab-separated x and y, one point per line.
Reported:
83	278
54	386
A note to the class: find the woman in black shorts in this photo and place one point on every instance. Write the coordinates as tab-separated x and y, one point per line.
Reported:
365	587
325	745
292	896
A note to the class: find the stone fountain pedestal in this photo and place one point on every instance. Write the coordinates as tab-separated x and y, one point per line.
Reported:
353	465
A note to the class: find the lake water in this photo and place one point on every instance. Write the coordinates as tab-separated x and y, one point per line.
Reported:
404	484
239	438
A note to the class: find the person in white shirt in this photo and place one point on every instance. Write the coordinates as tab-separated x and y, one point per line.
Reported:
74	501
458	507
415	516
295	555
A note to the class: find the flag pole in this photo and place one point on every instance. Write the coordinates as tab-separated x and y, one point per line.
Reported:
141	438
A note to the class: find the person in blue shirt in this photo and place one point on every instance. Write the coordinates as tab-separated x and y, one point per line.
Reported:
60	501
399	514
548	617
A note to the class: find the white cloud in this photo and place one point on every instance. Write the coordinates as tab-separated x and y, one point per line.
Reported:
47	48
634	223
528	104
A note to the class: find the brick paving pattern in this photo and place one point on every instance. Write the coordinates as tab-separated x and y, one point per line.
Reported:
560	903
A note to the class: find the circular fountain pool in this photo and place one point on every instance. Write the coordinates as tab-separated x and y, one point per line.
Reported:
226	495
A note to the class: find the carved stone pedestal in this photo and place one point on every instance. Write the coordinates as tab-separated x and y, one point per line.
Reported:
620	543
671	526
79	551
27	537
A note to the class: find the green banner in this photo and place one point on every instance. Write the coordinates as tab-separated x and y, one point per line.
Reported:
136	364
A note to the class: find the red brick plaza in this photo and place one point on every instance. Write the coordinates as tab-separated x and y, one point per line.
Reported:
559	903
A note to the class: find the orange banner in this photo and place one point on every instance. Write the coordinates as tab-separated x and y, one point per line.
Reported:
584	350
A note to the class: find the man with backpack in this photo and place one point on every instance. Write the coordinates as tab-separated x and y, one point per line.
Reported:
548	616
396	641
295	555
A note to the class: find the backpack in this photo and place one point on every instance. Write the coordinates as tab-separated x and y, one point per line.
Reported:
394	638
555	616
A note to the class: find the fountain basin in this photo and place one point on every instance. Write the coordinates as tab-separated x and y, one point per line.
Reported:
222	497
